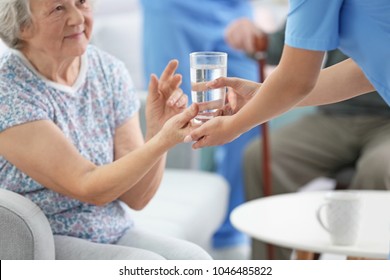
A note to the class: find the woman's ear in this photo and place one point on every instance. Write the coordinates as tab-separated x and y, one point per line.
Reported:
26	32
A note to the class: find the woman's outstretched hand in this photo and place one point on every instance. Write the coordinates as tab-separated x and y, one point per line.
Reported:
178	127
165	99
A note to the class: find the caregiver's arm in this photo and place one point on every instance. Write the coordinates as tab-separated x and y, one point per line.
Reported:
292	80
295	82
339	82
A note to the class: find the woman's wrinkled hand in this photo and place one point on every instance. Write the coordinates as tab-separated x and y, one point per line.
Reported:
177	128
165	99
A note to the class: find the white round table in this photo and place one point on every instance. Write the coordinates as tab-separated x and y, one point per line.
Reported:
289	220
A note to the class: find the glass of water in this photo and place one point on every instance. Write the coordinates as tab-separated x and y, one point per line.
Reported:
205	67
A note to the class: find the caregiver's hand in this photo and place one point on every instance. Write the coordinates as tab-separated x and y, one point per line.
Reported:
240	91
217	131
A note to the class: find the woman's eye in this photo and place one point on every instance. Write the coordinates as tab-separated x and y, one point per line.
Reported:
59	8
84	3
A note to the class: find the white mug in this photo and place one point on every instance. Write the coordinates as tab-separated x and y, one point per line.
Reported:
343	216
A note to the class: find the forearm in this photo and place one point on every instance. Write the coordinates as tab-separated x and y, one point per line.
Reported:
40	150
106	183
277	95
151	131
337	83
141	193
140	162
292	80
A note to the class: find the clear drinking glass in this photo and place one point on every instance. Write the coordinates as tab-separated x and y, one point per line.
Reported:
205	67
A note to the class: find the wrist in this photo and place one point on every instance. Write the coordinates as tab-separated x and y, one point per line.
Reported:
238	124
160	142
151	131
149	135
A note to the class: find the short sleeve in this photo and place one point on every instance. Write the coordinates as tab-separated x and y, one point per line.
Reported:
313	24
18	107
126	101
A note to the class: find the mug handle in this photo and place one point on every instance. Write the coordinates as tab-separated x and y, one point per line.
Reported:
319	217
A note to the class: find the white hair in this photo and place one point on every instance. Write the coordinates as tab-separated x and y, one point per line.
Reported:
14	14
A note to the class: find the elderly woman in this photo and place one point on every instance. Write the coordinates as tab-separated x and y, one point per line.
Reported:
70	138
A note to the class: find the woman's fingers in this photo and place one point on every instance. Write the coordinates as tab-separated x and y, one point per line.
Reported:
187	115
178	99
167	87
182	102
169	70
153	85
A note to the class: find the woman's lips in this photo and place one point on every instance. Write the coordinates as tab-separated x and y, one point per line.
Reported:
75	35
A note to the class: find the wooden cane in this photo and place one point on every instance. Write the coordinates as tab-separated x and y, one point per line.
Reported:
260	46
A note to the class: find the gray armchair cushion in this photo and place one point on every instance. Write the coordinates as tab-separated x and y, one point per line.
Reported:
24	230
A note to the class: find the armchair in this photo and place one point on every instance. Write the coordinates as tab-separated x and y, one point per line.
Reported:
24	230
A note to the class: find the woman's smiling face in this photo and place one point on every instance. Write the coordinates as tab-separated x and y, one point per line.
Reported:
60	28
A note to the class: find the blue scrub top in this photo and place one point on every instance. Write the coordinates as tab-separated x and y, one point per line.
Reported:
359	28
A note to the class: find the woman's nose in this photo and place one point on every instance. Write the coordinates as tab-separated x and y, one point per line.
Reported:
76	16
